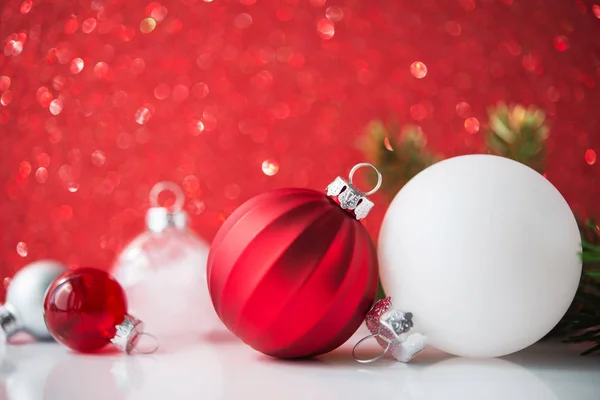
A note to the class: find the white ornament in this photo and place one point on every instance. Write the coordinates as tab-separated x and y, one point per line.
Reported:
163	273
24	308
483	251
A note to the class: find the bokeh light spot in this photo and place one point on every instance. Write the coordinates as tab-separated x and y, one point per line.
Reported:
71	25
418	70
162	91
44	97
56	107
6	98
100	70
24	169
22	249
334	14
200	90
59	82
147	25
418	112
596	10
453	28
76	65
196	206
41	175
270	167
561	43
242	21
463	109
325	28
159	12
472	125
190	185
6	282
142	115
137	66
590	157
196	127
98	158
180	93
25	6
4	82
72	187
119	99
88	25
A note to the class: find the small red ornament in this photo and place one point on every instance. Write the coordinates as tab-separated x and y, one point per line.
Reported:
85	309
293	272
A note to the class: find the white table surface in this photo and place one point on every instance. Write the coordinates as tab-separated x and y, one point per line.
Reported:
220	367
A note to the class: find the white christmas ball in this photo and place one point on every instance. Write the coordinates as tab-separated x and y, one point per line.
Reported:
25	296
164	278
483	251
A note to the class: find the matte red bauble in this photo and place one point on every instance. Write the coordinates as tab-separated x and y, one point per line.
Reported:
293	272
85	310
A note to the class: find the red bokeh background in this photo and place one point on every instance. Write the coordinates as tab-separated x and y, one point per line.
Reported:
100	99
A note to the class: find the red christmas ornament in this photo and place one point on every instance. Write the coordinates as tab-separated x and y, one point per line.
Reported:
293	272
86	309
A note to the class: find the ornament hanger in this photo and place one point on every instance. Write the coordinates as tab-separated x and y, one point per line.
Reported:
359	166
349	197
392	330
377	335
135	346
167	186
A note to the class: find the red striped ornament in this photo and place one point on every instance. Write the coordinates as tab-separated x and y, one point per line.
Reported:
292	272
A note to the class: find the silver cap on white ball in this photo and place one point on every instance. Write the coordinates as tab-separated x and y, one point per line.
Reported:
160	218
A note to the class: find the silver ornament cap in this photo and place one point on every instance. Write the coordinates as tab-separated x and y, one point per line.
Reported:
24	307
349	197
128	334
158	219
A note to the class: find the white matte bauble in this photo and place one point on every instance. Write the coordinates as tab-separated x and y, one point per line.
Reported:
483	251
24	310
163	273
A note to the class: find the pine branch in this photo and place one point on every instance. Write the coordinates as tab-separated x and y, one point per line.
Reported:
582	321
399	154
518	133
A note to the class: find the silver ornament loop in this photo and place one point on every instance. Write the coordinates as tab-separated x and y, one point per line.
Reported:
379	177
135	346
377	357
167	186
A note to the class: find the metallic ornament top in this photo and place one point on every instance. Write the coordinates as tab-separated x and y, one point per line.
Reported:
349	197
160	218
128	334
391	327
23	310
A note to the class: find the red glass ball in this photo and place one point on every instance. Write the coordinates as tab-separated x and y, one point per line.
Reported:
292	274
83	307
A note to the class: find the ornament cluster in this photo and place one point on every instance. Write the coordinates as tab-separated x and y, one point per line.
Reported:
466	244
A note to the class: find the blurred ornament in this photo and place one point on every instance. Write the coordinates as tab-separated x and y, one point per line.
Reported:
168	259
391	327
484	250
23	310
85	310
292	272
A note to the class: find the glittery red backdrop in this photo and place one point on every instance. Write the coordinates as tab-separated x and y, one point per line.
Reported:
100	99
